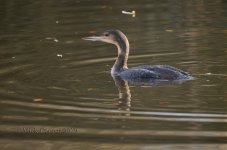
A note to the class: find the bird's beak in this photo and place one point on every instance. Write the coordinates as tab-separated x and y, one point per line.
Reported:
93	38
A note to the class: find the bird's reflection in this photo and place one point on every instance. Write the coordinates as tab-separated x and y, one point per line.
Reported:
124	101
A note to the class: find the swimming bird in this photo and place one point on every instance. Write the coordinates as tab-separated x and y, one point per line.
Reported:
144	72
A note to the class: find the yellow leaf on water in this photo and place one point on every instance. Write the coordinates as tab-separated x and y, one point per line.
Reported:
133	13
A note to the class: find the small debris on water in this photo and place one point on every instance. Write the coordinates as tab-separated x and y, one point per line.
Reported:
133	13
169	30
57	22
37	99
52	38
13	57
60	55
48	38
208	73
55	40
91	89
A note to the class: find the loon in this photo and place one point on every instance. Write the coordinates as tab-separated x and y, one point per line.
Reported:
144	72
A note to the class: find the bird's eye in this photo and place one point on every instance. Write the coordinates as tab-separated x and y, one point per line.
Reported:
106	34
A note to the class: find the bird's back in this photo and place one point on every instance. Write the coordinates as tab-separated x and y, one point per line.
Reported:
157	72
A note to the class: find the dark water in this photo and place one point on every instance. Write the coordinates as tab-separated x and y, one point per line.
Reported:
56	89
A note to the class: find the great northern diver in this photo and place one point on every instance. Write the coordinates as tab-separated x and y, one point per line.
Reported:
150	72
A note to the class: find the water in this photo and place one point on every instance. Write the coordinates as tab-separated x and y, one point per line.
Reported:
56	89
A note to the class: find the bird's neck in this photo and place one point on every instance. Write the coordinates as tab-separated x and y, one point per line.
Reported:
122	58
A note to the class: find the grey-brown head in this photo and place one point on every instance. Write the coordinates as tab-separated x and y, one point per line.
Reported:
115	37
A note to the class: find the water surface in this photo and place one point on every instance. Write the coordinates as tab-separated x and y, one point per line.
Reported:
57	92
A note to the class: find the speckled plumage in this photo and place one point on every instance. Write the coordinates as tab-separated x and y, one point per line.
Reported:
161	72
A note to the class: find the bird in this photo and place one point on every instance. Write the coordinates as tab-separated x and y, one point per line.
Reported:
144	72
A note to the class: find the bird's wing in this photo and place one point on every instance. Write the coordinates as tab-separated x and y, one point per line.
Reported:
141	73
